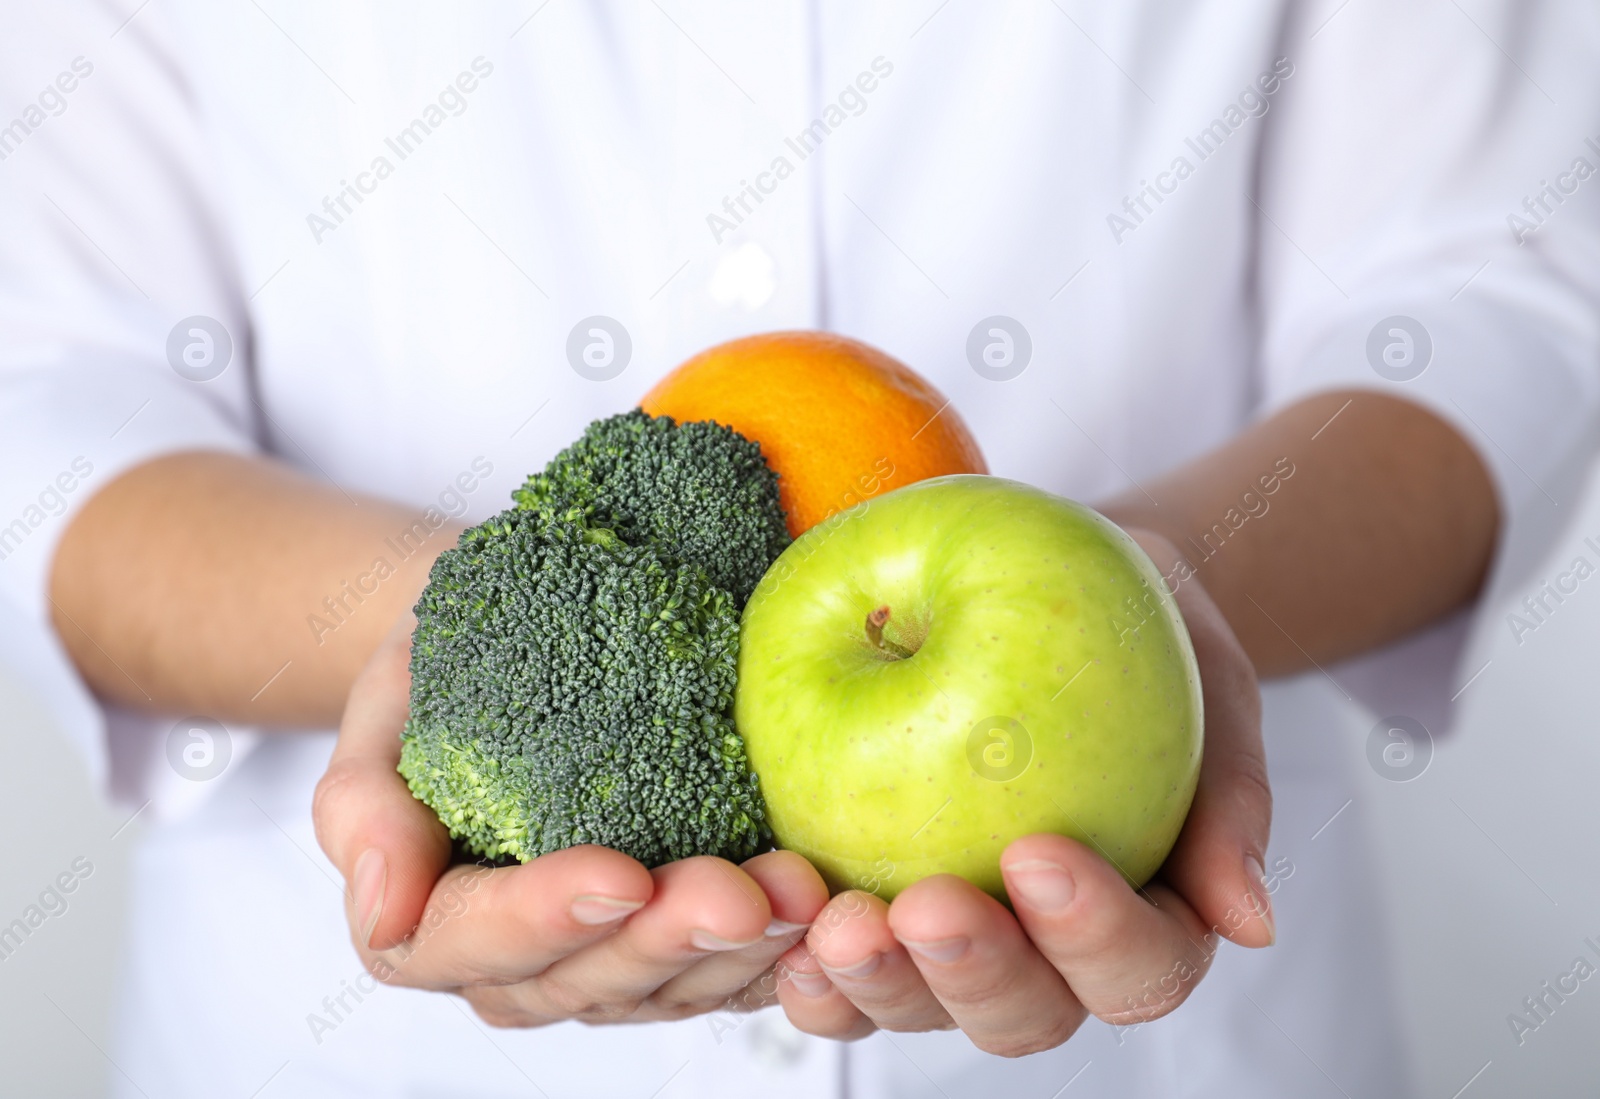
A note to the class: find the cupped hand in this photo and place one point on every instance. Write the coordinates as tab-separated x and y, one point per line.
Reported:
585	933
1079	940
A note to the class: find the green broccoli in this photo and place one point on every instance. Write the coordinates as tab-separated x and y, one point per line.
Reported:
700	491
572	680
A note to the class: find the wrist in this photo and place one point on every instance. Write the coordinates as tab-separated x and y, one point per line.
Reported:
1176	569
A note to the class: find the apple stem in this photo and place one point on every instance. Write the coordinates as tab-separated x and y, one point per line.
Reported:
875	623
876	620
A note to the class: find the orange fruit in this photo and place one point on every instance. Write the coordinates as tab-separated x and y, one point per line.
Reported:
838	420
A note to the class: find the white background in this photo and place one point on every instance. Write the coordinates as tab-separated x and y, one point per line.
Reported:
1489	864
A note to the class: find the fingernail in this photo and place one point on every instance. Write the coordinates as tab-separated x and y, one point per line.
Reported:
1258	899
705	940
1041	884
810	984
863	968
366	888
777	929
594	910
940	950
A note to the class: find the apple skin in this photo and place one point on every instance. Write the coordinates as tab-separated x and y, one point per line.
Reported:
1051	687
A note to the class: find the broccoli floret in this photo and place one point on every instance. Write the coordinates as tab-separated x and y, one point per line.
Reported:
701	492
568	688
574	661
575	656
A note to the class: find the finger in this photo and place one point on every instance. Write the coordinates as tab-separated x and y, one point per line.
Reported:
484	926
865	962
701	907
980	965
1217	861
795	891
811	1001
744	979
390	847
1127	956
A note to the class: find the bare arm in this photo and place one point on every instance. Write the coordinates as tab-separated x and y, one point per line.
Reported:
1377	523
190	582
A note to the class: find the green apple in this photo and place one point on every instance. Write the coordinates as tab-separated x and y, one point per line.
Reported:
963	661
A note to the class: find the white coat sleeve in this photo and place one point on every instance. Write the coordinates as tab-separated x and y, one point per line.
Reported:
111	247
1429	227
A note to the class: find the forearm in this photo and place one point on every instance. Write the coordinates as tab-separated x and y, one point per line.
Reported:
1376	523
234	587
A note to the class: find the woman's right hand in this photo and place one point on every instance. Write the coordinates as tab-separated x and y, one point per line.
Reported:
587	933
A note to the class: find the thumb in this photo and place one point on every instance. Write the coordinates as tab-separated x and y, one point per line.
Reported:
389	846
1217	862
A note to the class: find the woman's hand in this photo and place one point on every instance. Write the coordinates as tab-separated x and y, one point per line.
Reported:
1081	942
585	933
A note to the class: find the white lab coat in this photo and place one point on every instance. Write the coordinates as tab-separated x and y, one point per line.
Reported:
397	214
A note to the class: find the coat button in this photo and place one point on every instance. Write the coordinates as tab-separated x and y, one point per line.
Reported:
746	277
